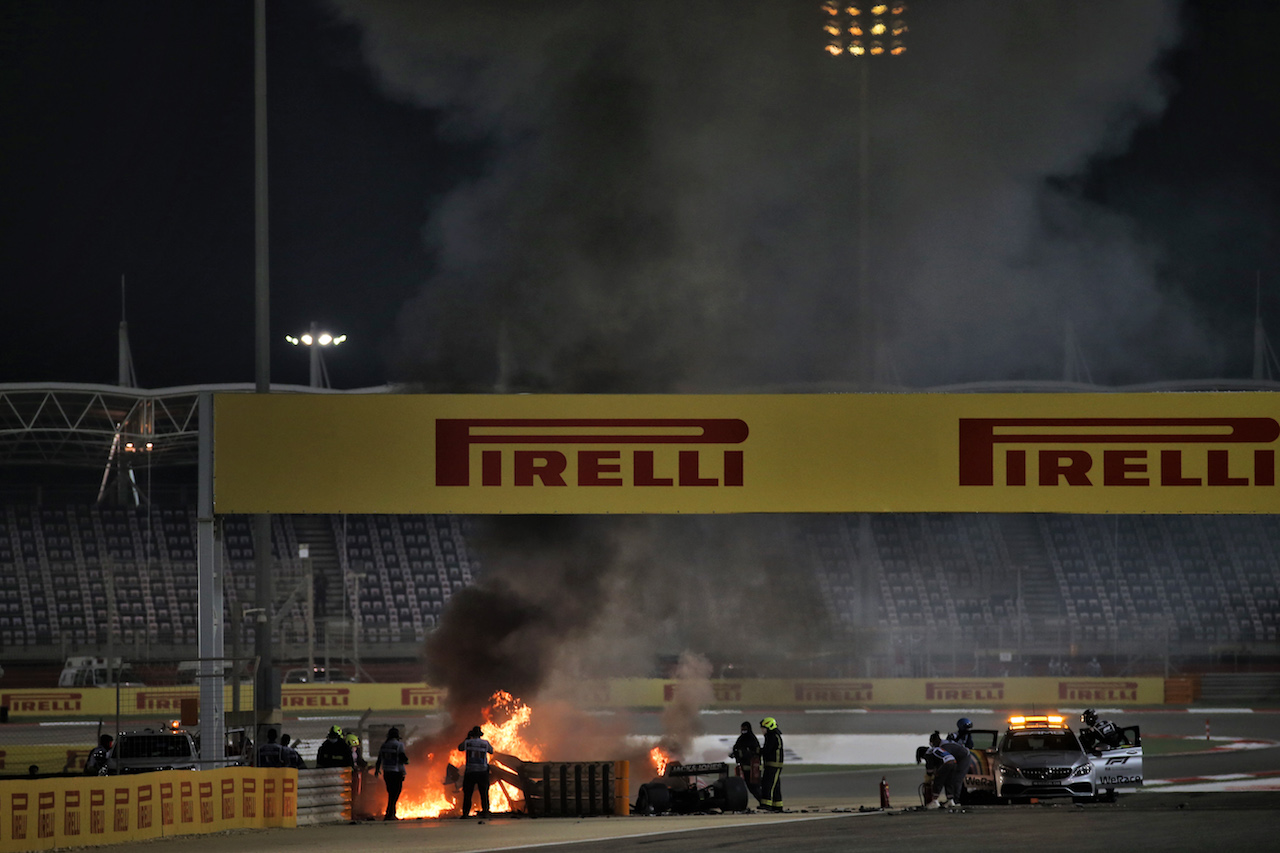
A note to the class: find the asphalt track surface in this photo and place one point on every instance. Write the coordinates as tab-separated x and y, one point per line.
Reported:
839	811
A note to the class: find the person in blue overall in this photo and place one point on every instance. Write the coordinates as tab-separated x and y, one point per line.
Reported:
476	773
391	763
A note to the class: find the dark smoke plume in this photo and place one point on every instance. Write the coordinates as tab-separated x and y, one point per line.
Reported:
563	599
543	591
668	201
669	197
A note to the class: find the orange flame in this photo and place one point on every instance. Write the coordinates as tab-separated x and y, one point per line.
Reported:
660	760
506	736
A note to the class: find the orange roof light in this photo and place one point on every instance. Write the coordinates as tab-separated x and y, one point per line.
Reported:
1037	721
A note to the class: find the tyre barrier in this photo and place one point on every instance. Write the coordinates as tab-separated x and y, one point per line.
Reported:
573	789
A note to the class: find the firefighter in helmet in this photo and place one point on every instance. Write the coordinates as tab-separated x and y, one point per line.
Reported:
334	751
746	752
771	757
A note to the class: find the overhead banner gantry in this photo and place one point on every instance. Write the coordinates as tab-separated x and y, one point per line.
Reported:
1195	452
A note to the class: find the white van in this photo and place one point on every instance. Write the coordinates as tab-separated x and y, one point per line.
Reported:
96	672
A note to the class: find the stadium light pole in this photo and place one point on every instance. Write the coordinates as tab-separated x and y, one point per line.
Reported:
864	31
315	341
266	688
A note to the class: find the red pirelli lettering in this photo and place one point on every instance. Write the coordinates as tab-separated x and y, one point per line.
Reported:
1062	461
537	457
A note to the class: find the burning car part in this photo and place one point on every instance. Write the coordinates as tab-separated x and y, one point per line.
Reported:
680	790
528	785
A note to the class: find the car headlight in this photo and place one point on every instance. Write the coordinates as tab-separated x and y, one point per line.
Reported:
1009	772
1083	770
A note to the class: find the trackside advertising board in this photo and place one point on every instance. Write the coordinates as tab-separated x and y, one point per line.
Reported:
57	813
1077	453
336	700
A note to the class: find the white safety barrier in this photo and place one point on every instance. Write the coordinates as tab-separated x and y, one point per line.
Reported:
324	795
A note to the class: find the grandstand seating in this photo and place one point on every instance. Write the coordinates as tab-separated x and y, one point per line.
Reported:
74	575
1093	580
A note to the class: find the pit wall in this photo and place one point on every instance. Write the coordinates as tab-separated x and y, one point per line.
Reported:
44	813
765	693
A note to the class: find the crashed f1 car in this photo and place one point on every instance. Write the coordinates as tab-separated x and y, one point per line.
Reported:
683	790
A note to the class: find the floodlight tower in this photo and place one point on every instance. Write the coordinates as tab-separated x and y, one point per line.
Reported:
863	31
315	340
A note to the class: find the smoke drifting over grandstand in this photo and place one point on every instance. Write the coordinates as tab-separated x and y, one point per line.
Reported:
670	197
670	204
565	598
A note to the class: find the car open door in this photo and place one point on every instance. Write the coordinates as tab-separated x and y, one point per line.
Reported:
1121	767
981	778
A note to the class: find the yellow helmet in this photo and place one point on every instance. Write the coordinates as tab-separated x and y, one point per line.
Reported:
769	724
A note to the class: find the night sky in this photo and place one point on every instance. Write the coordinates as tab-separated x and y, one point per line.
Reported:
643	196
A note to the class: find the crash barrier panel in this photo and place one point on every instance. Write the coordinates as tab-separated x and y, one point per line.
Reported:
572	789
1181	691
777	693
46	813
621	787
324	795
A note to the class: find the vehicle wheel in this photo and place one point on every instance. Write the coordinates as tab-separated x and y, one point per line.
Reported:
653	798
735	794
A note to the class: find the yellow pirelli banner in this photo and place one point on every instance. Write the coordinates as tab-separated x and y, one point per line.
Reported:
407	699
96	703
816	693
42	814
1078	453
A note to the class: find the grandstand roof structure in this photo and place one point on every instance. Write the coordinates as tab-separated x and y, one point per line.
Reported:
70	425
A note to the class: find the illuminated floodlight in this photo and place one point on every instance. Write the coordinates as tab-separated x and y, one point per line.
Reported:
317	341
323	339
846	31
